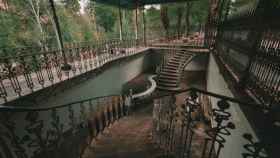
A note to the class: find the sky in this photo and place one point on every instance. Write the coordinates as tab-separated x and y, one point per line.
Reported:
83	4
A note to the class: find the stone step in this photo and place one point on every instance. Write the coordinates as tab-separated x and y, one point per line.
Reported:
181	57
170	67
170	72
163	73
169	88
173	62
169	77
177	60
162	80
165	84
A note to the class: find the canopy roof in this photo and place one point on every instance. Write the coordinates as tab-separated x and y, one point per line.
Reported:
130	4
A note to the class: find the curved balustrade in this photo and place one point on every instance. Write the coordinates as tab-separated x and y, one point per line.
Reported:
56	131
199	127
66	130
148	91
25	72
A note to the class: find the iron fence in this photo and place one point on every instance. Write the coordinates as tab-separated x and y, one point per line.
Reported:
26	70
248	43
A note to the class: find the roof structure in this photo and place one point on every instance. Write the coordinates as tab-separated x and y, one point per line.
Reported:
131	4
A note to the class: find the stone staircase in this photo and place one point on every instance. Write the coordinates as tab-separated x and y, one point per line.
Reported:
170	72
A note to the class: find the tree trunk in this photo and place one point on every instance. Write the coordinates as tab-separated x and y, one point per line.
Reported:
36	12
188	8
165	19
179	20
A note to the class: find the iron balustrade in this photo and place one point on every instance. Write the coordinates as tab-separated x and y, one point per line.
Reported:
199	127
57	131
66	130
26	70
248	44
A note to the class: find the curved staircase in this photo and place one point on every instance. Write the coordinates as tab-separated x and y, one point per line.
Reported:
170	72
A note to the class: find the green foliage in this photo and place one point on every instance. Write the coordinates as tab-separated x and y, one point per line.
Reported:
29	22
107	16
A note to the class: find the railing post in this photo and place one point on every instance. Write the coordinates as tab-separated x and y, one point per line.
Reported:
144	27
66	66
120	22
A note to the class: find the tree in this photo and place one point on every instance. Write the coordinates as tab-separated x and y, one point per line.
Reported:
72	5
187	18
165	19
179	19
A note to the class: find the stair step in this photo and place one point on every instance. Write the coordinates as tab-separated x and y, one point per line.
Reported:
164	84
169	70
169	74
168	88
170	67
178	60
174	62
169	77
161	80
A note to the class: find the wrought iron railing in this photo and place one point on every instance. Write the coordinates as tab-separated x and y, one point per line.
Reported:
199	125
248	44
196	128
25	70
56	131
194	40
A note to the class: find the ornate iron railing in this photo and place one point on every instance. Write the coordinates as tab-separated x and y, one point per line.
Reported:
248	43
23	71
56	131
199	126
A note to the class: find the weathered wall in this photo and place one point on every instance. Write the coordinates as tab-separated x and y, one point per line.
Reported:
234	143
199	63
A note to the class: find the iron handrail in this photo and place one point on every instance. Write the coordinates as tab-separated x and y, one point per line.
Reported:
223	97
27	109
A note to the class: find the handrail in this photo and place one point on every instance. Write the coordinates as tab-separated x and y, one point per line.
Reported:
27	109
148	91
51	130
234	100
45	67
200	126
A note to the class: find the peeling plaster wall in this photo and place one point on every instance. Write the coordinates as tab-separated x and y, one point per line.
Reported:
234	143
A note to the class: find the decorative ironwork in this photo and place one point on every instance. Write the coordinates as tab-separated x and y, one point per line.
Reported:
253	149
25	72
190	130
249	44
